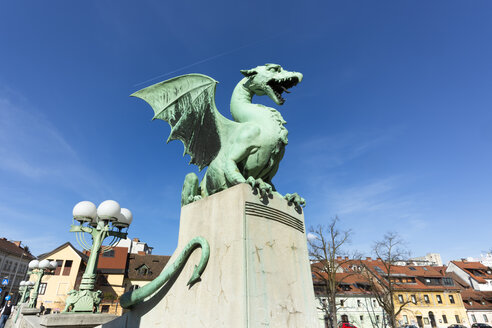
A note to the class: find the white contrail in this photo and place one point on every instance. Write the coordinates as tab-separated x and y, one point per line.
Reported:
201	61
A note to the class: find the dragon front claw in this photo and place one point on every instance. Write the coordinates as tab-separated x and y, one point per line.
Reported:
265	189
295	199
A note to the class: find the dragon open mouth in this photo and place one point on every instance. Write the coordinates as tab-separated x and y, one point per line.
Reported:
281	85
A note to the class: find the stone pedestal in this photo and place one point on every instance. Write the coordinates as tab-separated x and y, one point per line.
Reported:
30	311
258	274
75	320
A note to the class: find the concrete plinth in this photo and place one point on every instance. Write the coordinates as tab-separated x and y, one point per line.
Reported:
258	274
75	320
30	311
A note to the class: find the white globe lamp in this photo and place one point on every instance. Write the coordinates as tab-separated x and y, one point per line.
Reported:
85	211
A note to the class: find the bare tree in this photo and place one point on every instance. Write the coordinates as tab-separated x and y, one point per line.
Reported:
389	251
326	250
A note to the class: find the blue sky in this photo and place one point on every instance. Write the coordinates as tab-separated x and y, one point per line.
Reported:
391	128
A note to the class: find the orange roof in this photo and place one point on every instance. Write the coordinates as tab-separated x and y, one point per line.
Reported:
410	277
350	281
476	270
476	300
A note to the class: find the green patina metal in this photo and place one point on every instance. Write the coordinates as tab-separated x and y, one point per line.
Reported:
86	299
25	293
131	298
246	150
33	298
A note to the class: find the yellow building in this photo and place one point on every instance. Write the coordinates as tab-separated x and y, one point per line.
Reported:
427	297
436	307
53	288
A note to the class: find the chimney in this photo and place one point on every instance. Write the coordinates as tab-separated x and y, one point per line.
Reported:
136	240
17	243
368	258
346	257
379	259
339	257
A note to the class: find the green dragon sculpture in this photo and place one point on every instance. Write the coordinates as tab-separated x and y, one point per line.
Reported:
129	299
248	150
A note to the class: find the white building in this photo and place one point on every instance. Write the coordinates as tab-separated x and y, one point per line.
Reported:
431	259
135	246
13	266
355	303
485	259
475	281
477	275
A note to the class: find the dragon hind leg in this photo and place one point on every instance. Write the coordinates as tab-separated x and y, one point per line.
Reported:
190	191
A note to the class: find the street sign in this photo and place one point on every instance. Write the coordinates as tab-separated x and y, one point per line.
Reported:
5	281
1	290
8	297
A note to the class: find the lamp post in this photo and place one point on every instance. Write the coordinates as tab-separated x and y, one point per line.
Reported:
25	288
39	268
107	220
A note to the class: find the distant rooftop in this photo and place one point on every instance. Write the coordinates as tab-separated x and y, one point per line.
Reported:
14	248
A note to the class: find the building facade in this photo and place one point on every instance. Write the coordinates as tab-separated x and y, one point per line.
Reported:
143	268
427	297
477	275
474	280
14	260
354	300
67	276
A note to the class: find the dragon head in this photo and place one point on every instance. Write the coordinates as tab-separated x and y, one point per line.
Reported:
271	80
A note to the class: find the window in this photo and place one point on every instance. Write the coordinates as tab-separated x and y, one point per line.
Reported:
400	298
342	302
359	303
42	288
109	253
67	268
105	309
451	299
59	267
485	318
426	299
15	267
405	319
447	282
457	317
473	318
414	299
374	304
377	318
378	270
444	319
143	270
439	299
412	268
362	318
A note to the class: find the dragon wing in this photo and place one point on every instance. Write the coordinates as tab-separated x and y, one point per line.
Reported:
187	103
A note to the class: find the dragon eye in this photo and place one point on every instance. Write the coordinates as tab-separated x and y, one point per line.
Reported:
274	69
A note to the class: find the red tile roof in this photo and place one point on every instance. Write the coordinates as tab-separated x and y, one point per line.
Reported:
11	248
476	300
410	277
476	270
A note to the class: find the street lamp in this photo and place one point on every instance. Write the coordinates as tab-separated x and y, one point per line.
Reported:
25	288
39	268
107	220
